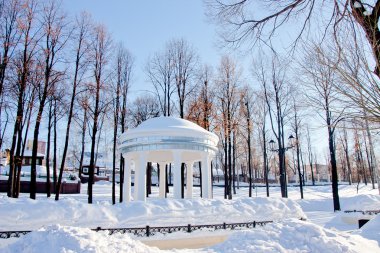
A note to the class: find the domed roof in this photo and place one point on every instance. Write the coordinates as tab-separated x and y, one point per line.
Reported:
168	133
169	126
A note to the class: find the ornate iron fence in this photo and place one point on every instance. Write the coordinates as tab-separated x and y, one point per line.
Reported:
369	212
150	231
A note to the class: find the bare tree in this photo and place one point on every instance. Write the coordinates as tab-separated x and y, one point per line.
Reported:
360	164
243	20
228	80
344	142
143	108
49	127
10	12
99	58
29	36
30	92
54	39
322	94
296	128
84	104
201	108
310	156
123	72
185	61
160	70
358	85
126	74
247	111
261	114
81	48
276	93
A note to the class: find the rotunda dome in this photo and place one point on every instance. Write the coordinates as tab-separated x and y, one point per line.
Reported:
167	133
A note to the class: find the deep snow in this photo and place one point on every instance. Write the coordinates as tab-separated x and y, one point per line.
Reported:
320	233
290	236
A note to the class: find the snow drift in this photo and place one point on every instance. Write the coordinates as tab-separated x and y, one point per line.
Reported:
291	236
26	214
295	236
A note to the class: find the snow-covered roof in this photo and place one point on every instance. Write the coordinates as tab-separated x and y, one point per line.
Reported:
171	126
168	133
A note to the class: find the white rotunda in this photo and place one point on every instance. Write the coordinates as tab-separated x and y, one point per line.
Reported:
165	140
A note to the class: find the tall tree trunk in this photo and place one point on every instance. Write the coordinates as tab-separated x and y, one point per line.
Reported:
48	152
234	163
55	183
249	150
229	166
14	158
266	167
84	126
69	118
296	124
116	121
33	169
300	176
373	160
369	162
303	169
200	178
225	167
28	115
310	157
93	142
347	156
334	169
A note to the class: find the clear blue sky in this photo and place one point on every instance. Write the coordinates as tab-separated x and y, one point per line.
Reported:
146	25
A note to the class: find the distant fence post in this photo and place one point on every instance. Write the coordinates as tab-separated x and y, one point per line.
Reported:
147	231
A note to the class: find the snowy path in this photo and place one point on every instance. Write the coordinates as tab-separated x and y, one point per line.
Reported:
320	217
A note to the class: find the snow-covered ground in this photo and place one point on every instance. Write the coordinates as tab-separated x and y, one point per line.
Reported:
70	218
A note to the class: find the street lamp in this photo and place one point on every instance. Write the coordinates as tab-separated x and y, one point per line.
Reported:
281	155
291	144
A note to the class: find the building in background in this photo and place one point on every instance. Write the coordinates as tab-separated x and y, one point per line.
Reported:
41	146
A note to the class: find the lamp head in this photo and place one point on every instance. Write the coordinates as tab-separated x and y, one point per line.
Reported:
271	144
292	141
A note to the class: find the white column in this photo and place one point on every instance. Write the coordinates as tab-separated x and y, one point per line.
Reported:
177	175
141	187
162	179
206	176
136	166
189	179
127	179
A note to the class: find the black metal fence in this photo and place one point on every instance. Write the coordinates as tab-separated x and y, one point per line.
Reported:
369	212
150	231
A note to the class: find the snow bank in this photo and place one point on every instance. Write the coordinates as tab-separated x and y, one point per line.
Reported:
295	236
72	239
26	214
371	229
292	236
362	202
349	221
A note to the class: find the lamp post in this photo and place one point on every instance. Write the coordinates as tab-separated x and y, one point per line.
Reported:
281	155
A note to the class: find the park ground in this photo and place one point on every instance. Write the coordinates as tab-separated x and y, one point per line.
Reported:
308	225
